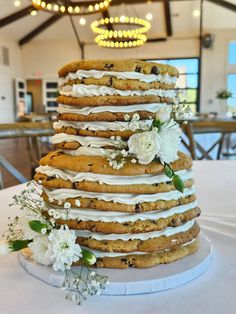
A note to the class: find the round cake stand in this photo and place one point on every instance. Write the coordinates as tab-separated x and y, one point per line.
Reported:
136	281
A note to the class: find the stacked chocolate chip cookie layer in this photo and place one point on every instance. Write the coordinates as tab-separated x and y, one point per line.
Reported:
128	214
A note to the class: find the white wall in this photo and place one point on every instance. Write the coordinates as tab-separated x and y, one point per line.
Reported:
215	68
43	58
7	76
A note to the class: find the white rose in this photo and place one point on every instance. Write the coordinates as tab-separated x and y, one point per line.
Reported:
144	146
40	250
169	142
163	114
4	248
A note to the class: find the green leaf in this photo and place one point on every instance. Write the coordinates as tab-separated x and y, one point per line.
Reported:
88	257
156	124
178	183
168	171
37	226
18	244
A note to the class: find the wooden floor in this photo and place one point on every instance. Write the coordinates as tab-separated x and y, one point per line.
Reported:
15	151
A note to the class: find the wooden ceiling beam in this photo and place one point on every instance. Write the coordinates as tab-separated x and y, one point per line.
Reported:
224	4
16	16
39	29
155	40
167	13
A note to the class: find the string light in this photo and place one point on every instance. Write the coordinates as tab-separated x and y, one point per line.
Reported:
121	38
69	6
17	3
33	13
82	21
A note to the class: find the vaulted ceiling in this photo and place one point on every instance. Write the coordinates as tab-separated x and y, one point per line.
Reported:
170	18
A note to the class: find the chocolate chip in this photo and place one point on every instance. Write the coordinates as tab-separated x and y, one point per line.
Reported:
123	259
125	224
138	68
110	82
138	208
154	70
49	178
108	66
74	185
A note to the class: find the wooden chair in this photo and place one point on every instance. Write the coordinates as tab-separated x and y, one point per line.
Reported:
224	127
32	132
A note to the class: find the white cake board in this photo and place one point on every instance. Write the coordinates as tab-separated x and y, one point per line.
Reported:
136	281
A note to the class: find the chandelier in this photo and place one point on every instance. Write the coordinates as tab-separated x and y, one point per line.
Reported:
133	35
71	7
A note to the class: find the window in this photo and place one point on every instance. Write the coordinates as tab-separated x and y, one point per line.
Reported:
187	84
232	87
231	76
232	53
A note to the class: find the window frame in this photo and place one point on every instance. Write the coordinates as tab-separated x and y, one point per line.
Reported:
187	88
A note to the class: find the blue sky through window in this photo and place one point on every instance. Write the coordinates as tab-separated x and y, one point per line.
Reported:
232	88
232	53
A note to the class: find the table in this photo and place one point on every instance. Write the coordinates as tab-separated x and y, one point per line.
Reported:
212	293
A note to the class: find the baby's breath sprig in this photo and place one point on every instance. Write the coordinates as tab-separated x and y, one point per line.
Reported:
83	284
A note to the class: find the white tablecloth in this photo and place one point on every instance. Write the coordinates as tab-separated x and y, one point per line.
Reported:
214	292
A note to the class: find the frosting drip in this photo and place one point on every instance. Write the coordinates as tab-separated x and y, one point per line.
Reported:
82	90
147	78
130	199
86	141
154	107
110	179
132	236
99	125
120	217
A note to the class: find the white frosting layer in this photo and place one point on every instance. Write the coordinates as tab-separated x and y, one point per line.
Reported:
154	107
98	125
110	179
86	141
147	78
82	90
132	236
130	199
98	253
95	215
88	151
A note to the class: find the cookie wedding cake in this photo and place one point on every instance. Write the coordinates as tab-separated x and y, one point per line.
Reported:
116	176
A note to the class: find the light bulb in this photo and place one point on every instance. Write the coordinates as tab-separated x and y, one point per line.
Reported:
149	16
196	13
17	3
33	13
82	21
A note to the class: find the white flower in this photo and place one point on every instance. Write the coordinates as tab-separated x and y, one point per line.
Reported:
43	231
144	145
51	200
136	117
51	212
29	234
63	248
133	161
56	215
163	114
4	247
169	142
67	205
40	250
127	117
